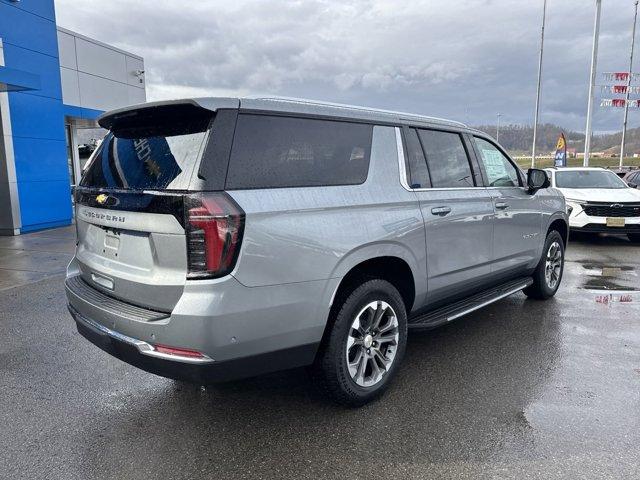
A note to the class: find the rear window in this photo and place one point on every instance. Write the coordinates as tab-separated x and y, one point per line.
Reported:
271	151
159	151
447	159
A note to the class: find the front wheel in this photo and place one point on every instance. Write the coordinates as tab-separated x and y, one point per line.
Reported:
548	273
365	344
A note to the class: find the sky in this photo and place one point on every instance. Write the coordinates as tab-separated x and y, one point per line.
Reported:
466	60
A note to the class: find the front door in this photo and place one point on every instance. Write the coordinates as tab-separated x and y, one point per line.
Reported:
518	221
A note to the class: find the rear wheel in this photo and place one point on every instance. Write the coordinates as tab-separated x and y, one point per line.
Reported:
365	344
548	273
634	237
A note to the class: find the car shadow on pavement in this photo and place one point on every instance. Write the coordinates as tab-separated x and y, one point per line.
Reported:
599	239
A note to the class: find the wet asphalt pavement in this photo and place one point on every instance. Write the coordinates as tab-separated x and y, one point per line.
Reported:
520	389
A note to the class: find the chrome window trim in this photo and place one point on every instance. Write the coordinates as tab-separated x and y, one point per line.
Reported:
402	161
443	189
402	165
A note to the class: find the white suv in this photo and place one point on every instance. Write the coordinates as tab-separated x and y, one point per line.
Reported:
598	201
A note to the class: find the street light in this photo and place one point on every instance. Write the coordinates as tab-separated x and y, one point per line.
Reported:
592	81
535	120
498	128
626	103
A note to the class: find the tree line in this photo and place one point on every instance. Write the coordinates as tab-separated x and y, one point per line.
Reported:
518	138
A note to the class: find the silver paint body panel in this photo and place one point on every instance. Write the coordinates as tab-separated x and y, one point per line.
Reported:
299	243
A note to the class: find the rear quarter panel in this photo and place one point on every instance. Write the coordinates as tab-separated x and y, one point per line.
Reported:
318	233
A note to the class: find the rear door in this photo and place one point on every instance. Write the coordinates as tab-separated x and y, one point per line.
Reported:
457	211
518	218
130	210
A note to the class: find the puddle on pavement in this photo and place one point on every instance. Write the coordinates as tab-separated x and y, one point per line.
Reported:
621	278
604	283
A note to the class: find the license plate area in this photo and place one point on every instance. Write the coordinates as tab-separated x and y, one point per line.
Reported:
111	244
615	222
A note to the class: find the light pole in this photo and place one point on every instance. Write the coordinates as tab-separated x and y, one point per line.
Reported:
498	128
626	103
535	119
592	81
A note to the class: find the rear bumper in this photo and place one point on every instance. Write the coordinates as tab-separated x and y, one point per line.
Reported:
128	350
242	331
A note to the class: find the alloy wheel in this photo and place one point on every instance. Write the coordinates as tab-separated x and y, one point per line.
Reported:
372	343
553	265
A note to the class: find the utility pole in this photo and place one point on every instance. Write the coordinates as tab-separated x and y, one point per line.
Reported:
592	81
498	128
535	119
626	103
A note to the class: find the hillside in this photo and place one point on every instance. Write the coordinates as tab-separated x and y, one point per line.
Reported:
518	139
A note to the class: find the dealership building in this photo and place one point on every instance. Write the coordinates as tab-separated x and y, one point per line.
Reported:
53	83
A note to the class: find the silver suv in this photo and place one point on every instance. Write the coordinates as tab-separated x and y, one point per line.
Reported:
220	238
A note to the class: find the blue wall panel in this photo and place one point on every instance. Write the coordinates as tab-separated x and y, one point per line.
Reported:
39	160
45	66
28	30
33	116
42	8
44	204
81	112
37	117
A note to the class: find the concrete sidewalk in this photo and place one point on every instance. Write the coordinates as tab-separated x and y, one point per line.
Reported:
31	257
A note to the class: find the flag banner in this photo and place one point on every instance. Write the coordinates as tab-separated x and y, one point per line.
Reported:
618	102
560	159
616	89
620	76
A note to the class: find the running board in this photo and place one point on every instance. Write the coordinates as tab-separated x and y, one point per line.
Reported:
460	308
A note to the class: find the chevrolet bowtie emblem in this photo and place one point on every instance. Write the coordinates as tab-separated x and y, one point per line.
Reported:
102	198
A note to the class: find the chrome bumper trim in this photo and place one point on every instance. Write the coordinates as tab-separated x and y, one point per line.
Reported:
142	346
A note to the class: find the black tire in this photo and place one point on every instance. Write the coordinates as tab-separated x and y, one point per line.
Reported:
330	370
634	237
540	289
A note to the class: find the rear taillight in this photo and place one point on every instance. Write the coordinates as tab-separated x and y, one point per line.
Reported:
214	225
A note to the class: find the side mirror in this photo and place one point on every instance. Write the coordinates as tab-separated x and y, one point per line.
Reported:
537	179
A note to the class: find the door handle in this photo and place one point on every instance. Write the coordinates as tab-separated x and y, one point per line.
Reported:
442	211
502	205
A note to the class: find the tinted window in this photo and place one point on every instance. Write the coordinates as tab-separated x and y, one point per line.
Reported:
270	151
447	159
588	179
153	154
500	171
418	173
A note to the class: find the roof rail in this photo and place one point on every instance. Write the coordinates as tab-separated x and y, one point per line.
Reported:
416	116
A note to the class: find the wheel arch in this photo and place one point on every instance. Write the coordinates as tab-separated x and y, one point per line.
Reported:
389	261
559	224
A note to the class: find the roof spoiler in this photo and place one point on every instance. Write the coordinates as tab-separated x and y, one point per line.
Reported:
109	119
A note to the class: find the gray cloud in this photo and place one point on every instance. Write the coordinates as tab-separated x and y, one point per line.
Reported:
466	60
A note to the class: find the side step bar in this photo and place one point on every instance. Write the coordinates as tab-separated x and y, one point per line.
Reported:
460	308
